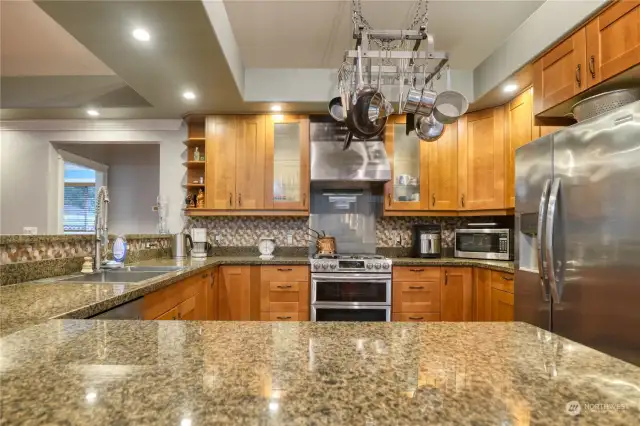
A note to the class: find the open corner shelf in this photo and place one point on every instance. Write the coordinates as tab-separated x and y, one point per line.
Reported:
194	142
193	185
193	164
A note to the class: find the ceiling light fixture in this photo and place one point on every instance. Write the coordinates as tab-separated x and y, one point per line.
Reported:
189	95
510	88
93	112
140	34
276	108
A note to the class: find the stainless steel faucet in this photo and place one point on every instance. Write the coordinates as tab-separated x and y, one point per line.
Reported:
102	236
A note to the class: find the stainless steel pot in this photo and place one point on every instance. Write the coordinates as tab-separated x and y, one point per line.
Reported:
428	128
179	247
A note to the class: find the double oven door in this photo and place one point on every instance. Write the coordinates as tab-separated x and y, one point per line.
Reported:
350	297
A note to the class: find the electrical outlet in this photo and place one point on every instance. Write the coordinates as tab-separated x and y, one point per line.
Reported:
397	239
290	238
30	230
218	238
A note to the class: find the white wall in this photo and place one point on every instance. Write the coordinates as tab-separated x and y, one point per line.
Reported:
133	181
29	165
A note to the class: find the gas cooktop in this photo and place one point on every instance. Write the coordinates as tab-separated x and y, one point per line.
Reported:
341	263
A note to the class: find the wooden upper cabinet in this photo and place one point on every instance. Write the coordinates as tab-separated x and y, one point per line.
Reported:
408	188
520	131
286	163
481	160
561	73
443	170
613	41
220	140
250	162
456	291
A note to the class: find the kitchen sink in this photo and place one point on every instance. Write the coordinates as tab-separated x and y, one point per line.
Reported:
121	276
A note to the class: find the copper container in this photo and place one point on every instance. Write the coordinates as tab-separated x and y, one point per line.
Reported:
326	245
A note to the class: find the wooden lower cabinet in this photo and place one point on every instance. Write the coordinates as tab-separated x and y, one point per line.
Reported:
501	305
284	293
184	300
481	294
238	293
456	294
415	317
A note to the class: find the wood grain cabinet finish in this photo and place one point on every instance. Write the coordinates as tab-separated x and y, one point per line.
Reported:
239	293
561	73
520	130
502	281
456	294
186	299
613	41
420	296
284	293
481	160
250	162
443	170
415	317
481	294
502	305
220	156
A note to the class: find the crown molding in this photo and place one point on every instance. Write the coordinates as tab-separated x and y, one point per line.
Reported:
91	125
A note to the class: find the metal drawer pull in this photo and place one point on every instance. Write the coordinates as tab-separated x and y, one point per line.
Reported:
416	287
446	277
284	286
415	318
416	270
285	269
205	275
579	75
592	66
283	317
507	278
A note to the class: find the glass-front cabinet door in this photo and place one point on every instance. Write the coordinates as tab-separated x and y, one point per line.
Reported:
408	188
287	162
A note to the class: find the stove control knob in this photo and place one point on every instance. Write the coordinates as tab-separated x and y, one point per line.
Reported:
332	266
385	266
325	265
369	265
378	265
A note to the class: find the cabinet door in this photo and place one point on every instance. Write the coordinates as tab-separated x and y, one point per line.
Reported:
420	296
211	288
188	310
520	131
481	160
456	294
443	170
220	157
236	300
501	305
250	161
561	73
170	315
408	155
613	41
481	294
287	163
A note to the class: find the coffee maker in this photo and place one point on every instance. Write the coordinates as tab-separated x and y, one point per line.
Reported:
200	243
426	241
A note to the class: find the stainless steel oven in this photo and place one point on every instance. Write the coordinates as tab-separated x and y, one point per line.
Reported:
490	244
349	294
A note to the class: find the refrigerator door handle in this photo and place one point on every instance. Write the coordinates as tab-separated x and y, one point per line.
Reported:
542	209
551	217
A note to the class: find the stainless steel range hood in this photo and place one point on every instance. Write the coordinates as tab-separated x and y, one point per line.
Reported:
364	161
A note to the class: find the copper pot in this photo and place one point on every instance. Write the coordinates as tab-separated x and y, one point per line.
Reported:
326	245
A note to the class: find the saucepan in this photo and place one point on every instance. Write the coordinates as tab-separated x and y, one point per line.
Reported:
428	128
419	101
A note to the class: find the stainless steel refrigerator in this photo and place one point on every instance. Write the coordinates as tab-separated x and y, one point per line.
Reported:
577	218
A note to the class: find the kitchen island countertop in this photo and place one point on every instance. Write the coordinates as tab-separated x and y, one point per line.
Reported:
196	373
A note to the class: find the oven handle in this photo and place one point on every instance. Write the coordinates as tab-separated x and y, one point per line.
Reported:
352	277
379	280
385	308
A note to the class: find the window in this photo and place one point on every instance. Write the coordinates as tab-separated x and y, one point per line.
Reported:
79	199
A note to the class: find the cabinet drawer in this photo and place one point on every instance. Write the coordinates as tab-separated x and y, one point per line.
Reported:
284	296
502	281
170	315
285	273
416	273
283	316
415	317
160	301
416	296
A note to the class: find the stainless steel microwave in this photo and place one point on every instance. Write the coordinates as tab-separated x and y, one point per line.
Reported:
490	244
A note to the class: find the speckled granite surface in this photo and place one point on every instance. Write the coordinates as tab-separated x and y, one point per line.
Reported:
271	373
488	264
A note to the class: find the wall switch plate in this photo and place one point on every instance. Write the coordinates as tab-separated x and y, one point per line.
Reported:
218	238
154	208
290	238
30	230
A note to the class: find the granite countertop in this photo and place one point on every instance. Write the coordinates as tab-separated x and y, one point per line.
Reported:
30	303
196	373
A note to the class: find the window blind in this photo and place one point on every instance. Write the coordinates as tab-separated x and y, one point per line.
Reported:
79	208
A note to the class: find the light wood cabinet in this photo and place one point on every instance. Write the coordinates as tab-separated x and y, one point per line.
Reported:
421	296
520	130
250	162
211	285
481	294
287	163
443	170
613	41
415	317
456	294
561	73
501	305
502	281
481	160
184	300
284	293
239	293
220	146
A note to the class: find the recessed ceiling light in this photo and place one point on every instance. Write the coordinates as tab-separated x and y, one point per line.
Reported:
93	112
509	88
140	34
276	108
189	95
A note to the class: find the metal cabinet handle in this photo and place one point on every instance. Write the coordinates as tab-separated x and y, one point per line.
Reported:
446	277
239	199
230	199
416	287
592	66
462	200
507	278
578	75
389	199
173	318
285	269
416	270
179	315
284	286
283	318
415	318
433	199
304	199
205	275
